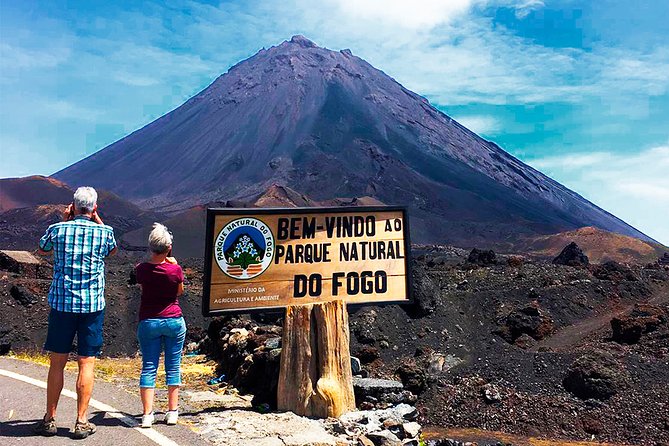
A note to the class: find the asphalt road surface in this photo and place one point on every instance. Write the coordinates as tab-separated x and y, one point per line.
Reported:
113	410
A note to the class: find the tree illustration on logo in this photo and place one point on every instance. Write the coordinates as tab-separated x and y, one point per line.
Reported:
244	252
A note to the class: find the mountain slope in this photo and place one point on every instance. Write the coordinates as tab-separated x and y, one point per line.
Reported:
598	245
189	226
29	205
327	124
32	191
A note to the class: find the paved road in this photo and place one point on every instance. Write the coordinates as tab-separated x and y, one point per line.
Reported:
22	404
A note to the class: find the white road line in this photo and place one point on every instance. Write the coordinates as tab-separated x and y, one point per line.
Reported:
153	435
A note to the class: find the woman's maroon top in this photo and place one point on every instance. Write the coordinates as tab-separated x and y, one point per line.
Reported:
160	284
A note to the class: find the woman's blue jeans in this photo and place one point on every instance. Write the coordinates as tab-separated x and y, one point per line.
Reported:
153	334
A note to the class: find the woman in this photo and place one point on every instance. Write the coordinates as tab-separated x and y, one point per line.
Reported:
160	323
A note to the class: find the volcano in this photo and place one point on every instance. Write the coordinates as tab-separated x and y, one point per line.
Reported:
328	124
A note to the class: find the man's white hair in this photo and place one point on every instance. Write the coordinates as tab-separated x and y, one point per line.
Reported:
85	199
160	239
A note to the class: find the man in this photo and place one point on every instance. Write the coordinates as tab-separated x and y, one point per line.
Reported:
79	244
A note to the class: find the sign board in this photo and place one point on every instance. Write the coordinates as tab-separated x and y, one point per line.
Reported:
262	259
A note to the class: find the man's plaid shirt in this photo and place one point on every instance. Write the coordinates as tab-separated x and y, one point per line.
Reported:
80	247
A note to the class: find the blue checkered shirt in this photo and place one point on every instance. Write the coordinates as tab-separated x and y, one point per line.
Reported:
79	249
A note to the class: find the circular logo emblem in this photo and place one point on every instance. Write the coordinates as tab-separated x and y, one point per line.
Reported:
244	248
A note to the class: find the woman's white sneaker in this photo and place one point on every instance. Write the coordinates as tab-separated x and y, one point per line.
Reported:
171	417
148	419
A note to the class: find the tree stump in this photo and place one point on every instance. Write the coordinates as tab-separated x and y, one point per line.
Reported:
315	377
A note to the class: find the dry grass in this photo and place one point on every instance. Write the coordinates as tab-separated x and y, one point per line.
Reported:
195	370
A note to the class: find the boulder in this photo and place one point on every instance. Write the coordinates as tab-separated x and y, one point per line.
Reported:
374	426
373	393
596	375
572	255
5	343
411	429
374	386
664	260
384	438
530	320
425	293
614	272
644	318
412	376
368	354
22	295
491	393
439	362
481	257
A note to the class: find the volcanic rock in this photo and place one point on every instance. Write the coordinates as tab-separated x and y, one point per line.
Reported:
5	343
481	257
368	354
614	272
374	386
644	318
412	376
379	426
425	292
664	260
247	356
595	375
23	295
571	255
384	438
491	393
530	320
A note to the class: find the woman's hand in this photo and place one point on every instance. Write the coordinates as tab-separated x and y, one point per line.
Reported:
96	217
171	260
68	213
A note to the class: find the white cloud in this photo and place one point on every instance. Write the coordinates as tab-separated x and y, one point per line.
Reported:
480	124
632	186
18	58
524	8
572	161
414	14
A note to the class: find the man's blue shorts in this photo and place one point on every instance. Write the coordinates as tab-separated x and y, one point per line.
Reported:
63	326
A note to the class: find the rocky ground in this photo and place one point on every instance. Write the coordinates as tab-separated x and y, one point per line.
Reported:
24	307
502	343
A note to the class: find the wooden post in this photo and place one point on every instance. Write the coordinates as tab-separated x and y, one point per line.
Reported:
315	377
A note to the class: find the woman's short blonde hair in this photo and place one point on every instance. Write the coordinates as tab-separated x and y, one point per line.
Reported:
160	239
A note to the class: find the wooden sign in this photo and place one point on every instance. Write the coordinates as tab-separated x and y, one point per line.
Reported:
260	259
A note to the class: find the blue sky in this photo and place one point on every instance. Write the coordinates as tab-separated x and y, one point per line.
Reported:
578	89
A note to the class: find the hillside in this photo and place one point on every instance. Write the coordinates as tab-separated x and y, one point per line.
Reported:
29	205
188	227
597	244
31	191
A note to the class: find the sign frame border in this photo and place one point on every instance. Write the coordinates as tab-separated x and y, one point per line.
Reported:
208	252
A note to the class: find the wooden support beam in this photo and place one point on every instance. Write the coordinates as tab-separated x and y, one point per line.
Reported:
315	377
